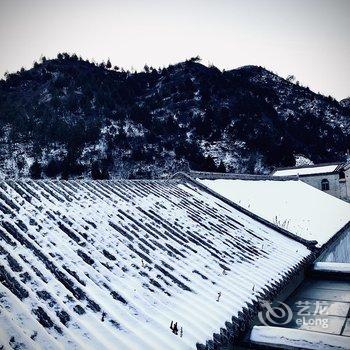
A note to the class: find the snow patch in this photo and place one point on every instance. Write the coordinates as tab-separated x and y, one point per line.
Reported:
332	267
298	338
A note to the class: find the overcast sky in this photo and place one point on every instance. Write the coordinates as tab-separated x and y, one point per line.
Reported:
306	38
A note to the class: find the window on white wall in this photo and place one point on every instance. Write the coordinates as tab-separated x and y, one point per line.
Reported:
325	185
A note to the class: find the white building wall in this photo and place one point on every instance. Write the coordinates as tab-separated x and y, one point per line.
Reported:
347	183
339	188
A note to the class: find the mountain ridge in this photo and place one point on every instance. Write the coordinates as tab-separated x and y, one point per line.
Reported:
69	118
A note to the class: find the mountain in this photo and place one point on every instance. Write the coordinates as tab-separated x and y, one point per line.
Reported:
345	102
69	117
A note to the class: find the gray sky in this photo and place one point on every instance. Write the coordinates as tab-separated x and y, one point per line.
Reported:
306	38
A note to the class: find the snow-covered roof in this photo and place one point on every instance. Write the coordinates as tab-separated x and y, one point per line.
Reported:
326	266
307	170
293	205
110	264
288	338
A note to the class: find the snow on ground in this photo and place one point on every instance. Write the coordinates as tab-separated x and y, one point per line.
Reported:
306	170
296	338
109	264
292	205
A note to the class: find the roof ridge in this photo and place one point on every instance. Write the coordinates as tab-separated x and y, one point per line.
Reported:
236	176
308	166
170	179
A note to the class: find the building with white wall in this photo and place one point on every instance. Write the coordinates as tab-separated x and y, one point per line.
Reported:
332	178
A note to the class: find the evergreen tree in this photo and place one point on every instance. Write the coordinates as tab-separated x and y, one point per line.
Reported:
221	167
35	170
209	164
52	168
99	170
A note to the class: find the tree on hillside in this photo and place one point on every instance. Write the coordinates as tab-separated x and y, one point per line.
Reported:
195	59
221	167
291	78
99	170
52	168
35	170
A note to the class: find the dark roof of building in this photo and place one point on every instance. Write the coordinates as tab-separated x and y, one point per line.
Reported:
112	264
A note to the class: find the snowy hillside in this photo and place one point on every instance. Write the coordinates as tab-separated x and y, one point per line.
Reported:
69	118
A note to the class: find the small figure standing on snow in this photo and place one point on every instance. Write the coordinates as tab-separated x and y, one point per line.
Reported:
175	330
173	327
219	295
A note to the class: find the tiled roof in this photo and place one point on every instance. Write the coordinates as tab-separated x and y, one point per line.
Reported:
111	264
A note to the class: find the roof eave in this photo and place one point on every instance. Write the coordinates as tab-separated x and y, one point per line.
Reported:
237	327
319	174
322	250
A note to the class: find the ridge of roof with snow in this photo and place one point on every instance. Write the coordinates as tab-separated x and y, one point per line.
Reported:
292	205
232	176
110	264
304	170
